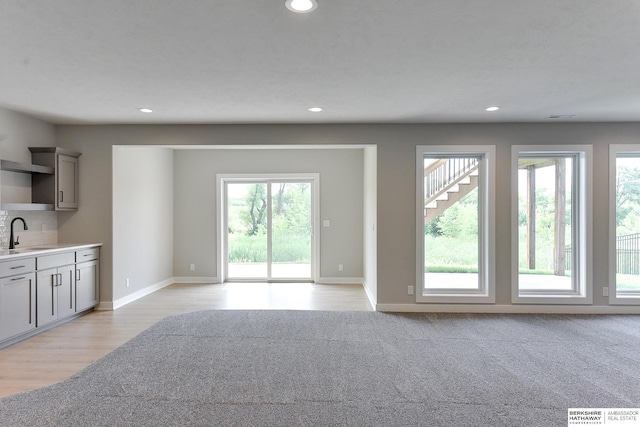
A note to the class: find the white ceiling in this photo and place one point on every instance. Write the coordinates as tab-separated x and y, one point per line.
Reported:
253	61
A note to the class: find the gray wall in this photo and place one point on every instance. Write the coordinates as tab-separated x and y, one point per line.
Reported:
17	133
341	201
142	218
395	174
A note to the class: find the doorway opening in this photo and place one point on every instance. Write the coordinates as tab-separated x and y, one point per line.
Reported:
268	227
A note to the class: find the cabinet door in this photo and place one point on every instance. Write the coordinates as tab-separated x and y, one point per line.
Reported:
47	296
67	179
17	305
87	285
66	291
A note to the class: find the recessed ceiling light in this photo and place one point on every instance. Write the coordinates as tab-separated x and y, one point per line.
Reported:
315	109
494	108
145	110
301	6
562	116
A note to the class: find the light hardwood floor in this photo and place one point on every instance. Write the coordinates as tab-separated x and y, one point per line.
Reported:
57	354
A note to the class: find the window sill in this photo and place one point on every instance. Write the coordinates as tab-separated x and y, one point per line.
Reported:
553	299
448	298
625	299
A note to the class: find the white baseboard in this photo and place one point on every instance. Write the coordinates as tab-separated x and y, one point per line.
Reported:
139	294
372	298
187	279
507	309
340	280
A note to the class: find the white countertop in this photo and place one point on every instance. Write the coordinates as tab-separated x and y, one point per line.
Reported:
29	251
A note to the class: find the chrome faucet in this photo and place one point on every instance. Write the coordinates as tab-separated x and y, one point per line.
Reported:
13	244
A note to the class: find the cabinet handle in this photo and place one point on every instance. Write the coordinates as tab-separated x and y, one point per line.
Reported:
53	295
18	278
30	301
71	289
60	280
78	274
61	196
15	267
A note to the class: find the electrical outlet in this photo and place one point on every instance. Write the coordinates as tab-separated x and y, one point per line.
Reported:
605	291
409	290
192	267
340	267
127	282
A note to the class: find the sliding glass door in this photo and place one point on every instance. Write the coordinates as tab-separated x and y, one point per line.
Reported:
269	229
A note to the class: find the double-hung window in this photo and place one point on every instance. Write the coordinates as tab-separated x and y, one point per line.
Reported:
455	224
551	224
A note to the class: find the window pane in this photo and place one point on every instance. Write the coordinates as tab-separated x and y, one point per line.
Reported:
291	230
628	224
247	230
545	221
451	223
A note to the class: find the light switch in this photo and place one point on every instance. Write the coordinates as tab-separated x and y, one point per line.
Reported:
326	223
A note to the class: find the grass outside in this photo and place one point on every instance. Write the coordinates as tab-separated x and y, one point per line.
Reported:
245	249
448	252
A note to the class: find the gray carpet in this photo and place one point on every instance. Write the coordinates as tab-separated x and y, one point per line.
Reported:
295	368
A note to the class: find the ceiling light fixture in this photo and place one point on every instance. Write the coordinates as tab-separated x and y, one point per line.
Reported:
315	109
562	116
494	108
145	110
301	6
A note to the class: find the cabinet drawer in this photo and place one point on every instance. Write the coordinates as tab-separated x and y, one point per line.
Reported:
57	260
87	254
19	266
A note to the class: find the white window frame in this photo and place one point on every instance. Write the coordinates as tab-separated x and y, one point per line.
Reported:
485	293
582	226
629	297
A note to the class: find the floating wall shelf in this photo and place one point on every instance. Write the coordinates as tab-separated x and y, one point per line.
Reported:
26	207
7	165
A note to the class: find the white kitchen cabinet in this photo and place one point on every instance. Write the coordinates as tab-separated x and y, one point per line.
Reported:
61	188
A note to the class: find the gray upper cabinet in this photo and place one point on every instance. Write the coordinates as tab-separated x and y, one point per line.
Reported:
67	178
61	188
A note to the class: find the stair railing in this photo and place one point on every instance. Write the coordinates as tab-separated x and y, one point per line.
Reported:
443	174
